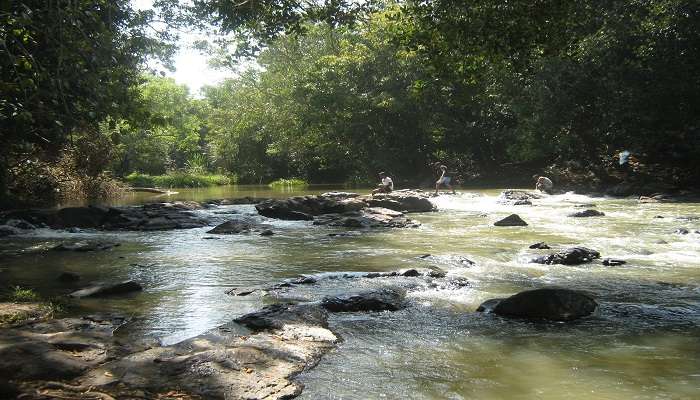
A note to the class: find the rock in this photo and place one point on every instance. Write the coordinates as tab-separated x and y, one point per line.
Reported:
68	277
488	305
681	231
303	207
514	195
586	205
108	290
340	195
540	245
658	216
276	316
511	220
436	272
80	217
20	224
405	201
411	272
237	226
661	241
613	262
82	247
554	304
587	213
522	203
267	232
570	256
6	230
388	299
372	217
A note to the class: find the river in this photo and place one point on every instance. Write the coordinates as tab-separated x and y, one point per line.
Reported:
644	342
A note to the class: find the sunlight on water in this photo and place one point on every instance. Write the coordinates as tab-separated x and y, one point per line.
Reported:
643	343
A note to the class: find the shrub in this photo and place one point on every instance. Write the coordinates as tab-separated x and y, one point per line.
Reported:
177	179
21	295
288	182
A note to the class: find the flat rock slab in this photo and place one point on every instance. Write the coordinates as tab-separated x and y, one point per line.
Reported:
515	195
372	217
511	220
108	290
405	201
570	256
554	304
387	299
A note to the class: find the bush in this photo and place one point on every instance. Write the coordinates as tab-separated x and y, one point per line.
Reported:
288	182
21	295
178	179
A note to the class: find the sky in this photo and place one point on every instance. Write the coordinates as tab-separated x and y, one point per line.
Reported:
191	66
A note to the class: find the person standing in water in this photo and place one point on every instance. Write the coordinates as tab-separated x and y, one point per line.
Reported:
444	179
543	184
386	186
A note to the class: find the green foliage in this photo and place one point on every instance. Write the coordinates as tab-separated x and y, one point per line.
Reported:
288	182
22	295
176	179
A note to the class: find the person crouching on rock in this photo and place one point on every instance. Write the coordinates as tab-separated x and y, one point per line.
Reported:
386	186
543	184
444	179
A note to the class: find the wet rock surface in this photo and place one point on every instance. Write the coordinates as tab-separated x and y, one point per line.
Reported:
240	226
570	256
156	216
511	220
386	299
554	304
372	217
511	195
540	245
613	262
587	213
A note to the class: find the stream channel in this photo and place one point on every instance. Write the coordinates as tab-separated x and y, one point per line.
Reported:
643	343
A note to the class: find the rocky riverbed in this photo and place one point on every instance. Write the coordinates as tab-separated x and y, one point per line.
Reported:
331	292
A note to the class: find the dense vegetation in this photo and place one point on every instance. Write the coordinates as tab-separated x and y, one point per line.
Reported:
342	91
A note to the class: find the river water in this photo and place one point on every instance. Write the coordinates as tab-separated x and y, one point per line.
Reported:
644	343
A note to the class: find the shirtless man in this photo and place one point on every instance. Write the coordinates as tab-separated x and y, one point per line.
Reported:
543	184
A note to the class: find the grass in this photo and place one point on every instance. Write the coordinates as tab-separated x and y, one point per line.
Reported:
26	304
178	180
288	182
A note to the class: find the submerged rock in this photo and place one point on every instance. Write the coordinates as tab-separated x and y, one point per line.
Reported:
511	220
85	246
6	230
108	290
682	231
587	213
570	256
540	245
388	299
554	304
276	316
68	277
613	262
238	226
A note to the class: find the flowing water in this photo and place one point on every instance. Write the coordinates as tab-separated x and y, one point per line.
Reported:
644	342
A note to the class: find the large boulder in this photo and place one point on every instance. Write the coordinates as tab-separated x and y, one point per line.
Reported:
570	256
387	299
511	220
108	290
80	217
554	304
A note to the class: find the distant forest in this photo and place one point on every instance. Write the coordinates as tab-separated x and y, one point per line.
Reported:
337	91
